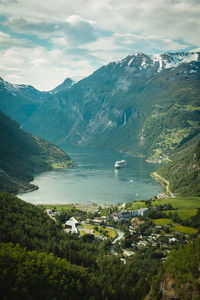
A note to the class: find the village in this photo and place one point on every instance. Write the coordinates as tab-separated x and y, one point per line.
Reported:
126	230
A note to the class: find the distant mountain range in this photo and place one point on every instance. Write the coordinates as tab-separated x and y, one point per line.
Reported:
145	105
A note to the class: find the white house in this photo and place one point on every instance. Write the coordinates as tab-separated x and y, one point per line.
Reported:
71	225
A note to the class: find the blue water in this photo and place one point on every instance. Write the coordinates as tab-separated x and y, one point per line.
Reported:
95	180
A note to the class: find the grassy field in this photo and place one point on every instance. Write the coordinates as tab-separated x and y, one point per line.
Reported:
183	213
136	205
183	229
108	232
175	227
183	203
58	207
162	221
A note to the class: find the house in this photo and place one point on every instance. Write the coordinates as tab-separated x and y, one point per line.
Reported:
173	240
71	225
142	243
128	253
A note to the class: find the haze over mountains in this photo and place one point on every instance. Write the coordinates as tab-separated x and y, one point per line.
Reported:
144	105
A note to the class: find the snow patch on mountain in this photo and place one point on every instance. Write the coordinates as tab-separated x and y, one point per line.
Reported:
172	60
144	63
163	61
130	61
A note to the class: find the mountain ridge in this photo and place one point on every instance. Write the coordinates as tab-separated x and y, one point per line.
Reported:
132	105
119	103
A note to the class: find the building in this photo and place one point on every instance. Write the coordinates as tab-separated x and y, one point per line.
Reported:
96	221
72	225
128	253
142	211
128	214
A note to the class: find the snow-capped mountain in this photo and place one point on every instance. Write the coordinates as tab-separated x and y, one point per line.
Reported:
19	101
159	62
21	90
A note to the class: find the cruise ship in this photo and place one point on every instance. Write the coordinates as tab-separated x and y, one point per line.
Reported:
120	164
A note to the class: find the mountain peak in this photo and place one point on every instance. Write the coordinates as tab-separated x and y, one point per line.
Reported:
67	83
170	60
160	61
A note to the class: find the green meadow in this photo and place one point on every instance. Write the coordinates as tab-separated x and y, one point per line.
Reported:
182	203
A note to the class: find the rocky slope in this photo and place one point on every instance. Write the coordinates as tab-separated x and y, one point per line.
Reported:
22	155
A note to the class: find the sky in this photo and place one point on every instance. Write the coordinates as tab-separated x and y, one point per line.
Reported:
42	42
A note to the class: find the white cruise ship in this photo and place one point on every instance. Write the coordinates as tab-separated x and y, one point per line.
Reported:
120	164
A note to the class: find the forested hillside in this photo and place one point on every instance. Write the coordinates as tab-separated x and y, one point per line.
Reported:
183	173
88	270
22	155
39	261
179	276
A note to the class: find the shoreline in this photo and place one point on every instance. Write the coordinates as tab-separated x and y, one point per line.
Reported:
36	187
165	185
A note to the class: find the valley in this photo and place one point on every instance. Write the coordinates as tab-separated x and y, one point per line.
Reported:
144	109
147	106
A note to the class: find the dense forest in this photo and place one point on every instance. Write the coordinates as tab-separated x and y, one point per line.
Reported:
38	260
94	272
179	277
22	155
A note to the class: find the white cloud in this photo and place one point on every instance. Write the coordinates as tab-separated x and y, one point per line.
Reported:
42	68
6	40
75	19
77	36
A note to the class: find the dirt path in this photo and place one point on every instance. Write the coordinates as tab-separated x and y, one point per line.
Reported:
163	182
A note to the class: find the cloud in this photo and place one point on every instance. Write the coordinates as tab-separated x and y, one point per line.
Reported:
75	19
46	41
31	26
40	67
78	30
118	45
6	41
74	29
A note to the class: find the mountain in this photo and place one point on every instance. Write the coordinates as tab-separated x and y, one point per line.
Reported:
144	105
183	173
19	101
23	155
67	83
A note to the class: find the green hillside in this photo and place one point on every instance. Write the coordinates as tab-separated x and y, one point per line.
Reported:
22	155
179	276
56	265
183	173
39	261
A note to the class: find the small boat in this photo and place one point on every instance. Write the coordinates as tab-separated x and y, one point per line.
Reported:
120	164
